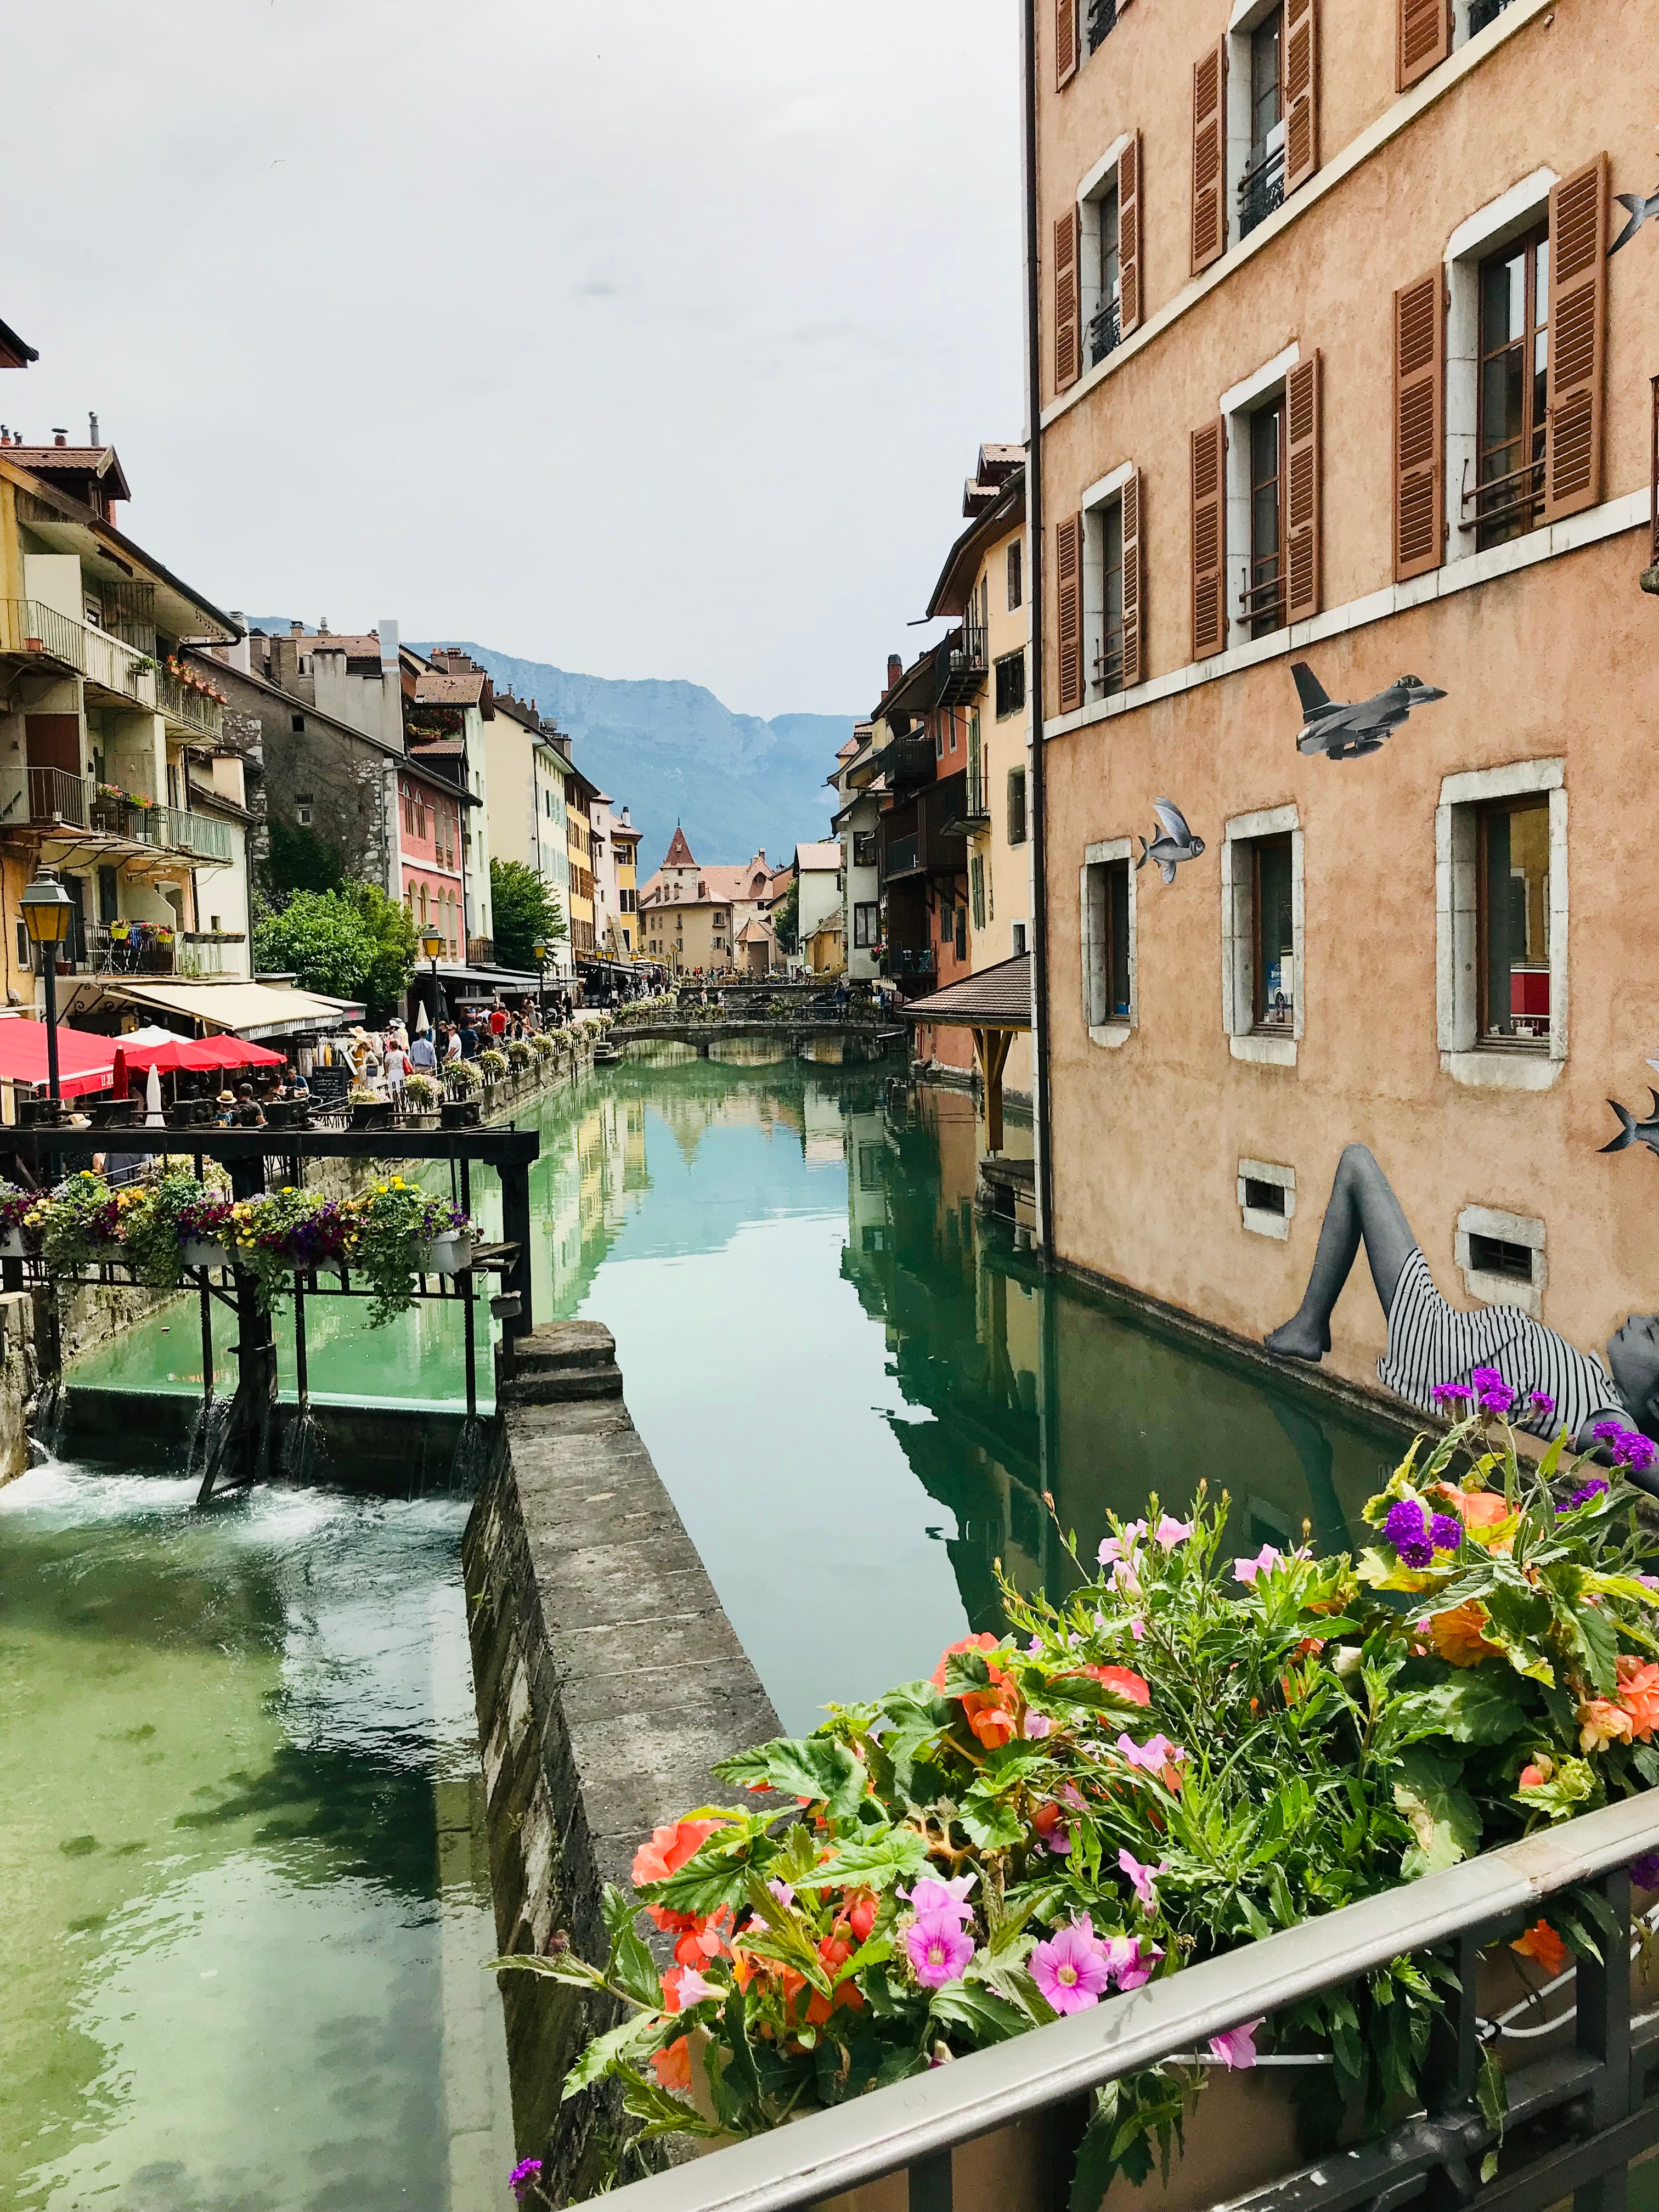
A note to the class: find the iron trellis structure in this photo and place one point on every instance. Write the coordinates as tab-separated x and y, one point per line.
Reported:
1577	2118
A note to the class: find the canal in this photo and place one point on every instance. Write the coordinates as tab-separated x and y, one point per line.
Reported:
237	1799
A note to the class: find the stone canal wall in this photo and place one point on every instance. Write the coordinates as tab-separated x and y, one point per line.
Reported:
609	1684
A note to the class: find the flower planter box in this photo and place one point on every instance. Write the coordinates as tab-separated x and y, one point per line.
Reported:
372	1117
12	1246
196	1252
447	1255
460	1114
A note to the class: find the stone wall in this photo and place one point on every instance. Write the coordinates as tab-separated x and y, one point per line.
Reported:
609	1684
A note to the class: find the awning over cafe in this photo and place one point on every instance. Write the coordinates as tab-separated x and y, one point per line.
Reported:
85	1062
254	1010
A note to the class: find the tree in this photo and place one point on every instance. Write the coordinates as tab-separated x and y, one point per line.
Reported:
354	943
784	918
523	910
301	861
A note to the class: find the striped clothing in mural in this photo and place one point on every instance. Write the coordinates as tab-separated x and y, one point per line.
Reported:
1430	1342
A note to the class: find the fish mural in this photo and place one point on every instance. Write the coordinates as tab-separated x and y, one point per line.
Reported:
1172	840
1634	1131
1636	209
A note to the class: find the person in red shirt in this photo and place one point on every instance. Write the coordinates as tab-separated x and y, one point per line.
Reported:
498	1022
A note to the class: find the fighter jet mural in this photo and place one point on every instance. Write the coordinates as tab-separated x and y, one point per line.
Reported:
1342	731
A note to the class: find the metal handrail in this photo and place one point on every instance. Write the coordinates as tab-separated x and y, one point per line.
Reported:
1109	661
1104	330
194	709
916	2123
1260	189
1258	601
29	626
1532	472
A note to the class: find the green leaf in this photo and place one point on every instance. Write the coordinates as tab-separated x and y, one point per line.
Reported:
1442	1816
634	1969
1493	2094
990	1823
1600	1637
634	2040
1470	1707
563	1967
985	2016
664	2113
716	1874
815	1767
875	1861
965	1672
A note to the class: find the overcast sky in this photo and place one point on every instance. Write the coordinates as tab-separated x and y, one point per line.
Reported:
657	349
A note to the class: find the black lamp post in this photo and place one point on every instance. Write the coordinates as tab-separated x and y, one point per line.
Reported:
47	911
539	953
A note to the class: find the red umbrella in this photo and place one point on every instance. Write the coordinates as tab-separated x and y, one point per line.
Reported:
237	1052
178	1053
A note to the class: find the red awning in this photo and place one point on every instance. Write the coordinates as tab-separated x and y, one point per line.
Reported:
85	1062
230	1051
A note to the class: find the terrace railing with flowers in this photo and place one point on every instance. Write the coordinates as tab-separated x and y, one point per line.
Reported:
1202	1768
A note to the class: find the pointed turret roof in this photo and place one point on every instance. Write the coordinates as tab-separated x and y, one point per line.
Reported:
679	853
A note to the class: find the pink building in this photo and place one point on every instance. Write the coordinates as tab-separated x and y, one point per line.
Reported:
429	854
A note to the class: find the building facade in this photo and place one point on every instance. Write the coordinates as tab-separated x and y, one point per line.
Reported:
920	740
1340	379
529	772
855	822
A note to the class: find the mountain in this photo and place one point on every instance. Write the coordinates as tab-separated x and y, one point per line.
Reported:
672	752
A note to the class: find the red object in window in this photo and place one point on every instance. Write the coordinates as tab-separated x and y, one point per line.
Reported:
1530	993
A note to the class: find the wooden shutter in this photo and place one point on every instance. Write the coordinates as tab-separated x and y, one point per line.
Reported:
1128	236
1066	54
1068	577
1303	411
1209	158
1423	38
1209	540
1134	598
1578	261
1068	334
1301	91
1419	467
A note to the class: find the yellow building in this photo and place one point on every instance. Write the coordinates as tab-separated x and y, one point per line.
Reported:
579	794
625	839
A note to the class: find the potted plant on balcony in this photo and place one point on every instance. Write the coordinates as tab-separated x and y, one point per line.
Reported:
520	1055
462	1086
400	1231
152	1238
1188	1752
286	1232
422	1095
76	1224
203	1223
370	1109
492	1065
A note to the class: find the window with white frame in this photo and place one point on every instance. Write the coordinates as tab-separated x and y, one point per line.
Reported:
1500	1256
866	927
1497	265
1254	411
1262	911
1103	594
1109	1009
1267	1198
1099	251
1501	915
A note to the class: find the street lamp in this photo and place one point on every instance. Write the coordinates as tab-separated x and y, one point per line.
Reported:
48	909
539	953
432	944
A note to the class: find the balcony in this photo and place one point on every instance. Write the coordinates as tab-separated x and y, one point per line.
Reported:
1109	661
971	815
963	667
1103	20
936	845
481	952
32	631
190	708
907	762
75	809
1482	12
1262	188
1104	332
902	857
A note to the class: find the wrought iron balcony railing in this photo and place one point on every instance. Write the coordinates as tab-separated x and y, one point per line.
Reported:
62	803
1103	20
910	960
1108	660
1482	12
1504	507
901	855
1104	332
1260	189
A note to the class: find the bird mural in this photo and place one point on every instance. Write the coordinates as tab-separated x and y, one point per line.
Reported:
1172	840
1342	731
1637	210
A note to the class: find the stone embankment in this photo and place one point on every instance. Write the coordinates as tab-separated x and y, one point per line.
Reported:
610	1683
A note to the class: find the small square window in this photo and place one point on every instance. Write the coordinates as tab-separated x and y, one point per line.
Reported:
1267	1198
296	722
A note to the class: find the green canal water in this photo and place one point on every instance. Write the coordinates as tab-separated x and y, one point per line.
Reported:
237	1790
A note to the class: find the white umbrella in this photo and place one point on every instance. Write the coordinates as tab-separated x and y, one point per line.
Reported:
423	1022
153	1099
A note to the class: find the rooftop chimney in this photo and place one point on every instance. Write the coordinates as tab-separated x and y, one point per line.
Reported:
59	437
92	429
322	626
296	629
895	670
389	643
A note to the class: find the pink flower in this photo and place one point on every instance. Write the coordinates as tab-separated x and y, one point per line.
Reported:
783	1892
932	1895
1246	1571
1112	1548
1143	1877
1070	1968
693	1989
1155	1754
938	1947
1237	2046
1130	1961
1137	1628
1058	1840
1171	1531
1036	1725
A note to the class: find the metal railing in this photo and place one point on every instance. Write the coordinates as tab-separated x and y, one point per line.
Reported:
1503	502
28	626
901	855
1104	332
908	760
910	960
181	830
1482	12
1108	660
1103	20
1592	2094
1260	189
60	800
55	796
192	708
1262	602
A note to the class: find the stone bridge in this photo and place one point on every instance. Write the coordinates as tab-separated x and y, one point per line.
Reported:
860	1041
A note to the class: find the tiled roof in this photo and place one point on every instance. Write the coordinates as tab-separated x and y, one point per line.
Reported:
817	856
678	854
433	688
997	998
354	649
77	460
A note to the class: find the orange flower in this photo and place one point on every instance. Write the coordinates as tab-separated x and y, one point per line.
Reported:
705	1938
672	2067
1125	1682
860	1908
1638	1694
1479	1508
1456	1635
669	1849
983	1642
1602	1722
1536	1773
1541	1942
989	1719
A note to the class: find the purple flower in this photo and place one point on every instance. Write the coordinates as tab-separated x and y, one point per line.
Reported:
1130	1961
1237	2046
524	2176
1606	1432
932	1895
1594	1488
1541	1402
1447	1396
1143	1877
1445	1532
1493	1395
1155	1754
1645	1871
1408	1528
1058	1839
1036	1725
781	1890
1071	1969
939	1948
1629	1447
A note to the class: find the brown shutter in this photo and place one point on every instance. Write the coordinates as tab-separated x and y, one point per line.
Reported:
1422	37
1304	406
1209	540
1578	261
1419	466
1065	43
1209	162
1068	579
1135	602
1301	91
1067	333
1128	236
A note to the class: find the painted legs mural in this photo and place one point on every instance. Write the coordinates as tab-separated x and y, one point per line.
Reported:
1430	1341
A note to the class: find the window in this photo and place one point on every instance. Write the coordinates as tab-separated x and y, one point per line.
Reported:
296	722
976	888
1261	929
1016	806
1514	359
109	902
1016	575
1267	1198
1109	645
1273	965
866	928
1010	684
1501	1258
1512	923
302	814
1018	939
864	849
1105	326
1262	188
1264	595
961	925
1107	976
